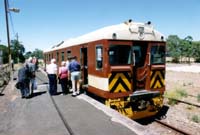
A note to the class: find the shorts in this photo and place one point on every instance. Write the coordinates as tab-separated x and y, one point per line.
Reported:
76	75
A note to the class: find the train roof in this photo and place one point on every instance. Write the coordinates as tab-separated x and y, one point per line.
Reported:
125	31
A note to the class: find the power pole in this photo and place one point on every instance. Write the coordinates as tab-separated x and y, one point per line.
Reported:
7	28
8	36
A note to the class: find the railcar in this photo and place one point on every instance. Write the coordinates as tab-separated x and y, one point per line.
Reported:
123	65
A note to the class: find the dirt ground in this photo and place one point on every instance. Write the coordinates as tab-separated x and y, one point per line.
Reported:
185	78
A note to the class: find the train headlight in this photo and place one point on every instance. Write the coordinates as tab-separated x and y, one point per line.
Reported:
141	32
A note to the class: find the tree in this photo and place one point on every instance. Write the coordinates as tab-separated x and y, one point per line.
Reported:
38	54
174	47
28	54
5	53
17	51
188	48
196	51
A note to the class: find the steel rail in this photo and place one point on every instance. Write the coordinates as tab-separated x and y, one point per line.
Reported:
184	102
172	127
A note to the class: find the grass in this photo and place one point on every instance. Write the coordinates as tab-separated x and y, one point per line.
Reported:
190	107
178	93
182	92
196	118
198	97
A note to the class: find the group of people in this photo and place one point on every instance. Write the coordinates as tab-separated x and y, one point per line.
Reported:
26	77
69	71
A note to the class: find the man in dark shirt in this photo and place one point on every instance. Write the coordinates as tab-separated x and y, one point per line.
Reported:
74	69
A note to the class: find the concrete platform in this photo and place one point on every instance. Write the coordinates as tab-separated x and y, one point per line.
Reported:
38	116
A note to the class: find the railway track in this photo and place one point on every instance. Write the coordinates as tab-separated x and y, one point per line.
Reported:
185	102
172	127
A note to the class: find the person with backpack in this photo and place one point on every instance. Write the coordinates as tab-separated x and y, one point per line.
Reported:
24	81
31	74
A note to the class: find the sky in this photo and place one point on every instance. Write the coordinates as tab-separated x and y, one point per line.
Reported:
40	24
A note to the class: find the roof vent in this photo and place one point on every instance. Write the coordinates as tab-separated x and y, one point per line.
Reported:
114	36
128	22
149	22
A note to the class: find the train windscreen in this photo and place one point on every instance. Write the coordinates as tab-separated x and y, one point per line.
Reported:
157	54
119	55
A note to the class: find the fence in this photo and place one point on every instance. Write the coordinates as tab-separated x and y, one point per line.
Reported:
4	76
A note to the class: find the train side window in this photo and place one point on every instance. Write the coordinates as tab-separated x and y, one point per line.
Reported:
57	56
99	57
63	56
68	53
157	54
49	57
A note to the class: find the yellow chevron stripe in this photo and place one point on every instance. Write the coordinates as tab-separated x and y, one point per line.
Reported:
161	77
115	79
157	85
119	88
152	81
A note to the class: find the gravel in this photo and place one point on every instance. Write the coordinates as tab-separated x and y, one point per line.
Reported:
187	78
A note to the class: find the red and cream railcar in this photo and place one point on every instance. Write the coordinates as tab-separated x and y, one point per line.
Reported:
122	64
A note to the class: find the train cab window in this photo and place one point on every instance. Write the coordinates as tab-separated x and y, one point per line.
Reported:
99	57
139	52
119	54
157	54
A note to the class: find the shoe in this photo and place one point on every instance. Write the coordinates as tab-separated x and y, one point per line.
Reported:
74	94
70	90
77	92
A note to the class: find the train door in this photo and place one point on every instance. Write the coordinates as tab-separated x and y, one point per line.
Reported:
84	64
140	68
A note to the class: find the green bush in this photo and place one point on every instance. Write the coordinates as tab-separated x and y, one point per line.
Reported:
196	118
178	93
198	97
181	92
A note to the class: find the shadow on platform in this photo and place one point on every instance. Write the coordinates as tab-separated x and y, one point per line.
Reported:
1	94
35	94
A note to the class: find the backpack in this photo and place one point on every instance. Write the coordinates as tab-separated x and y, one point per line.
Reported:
28	72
